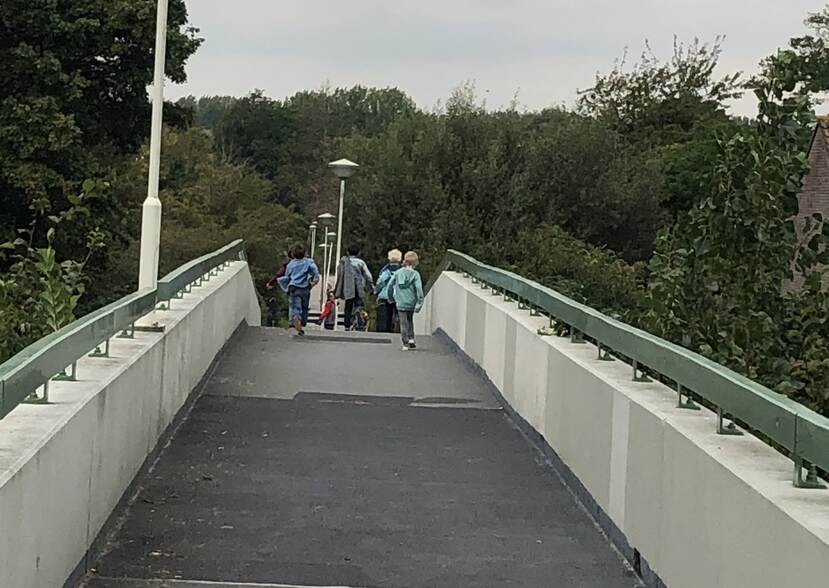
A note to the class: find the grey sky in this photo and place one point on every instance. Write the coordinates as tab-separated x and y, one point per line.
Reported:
545	50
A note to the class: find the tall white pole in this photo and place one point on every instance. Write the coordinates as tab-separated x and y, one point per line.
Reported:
151	212
328	255
340	225
324	289
339	247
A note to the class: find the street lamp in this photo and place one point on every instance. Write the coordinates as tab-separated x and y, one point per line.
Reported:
343	169
324	281
151	209
312	237
328	271
325	219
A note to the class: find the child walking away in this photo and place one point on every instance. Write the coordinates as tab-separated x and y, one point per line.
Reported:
328	315
386	311
300	276
406	290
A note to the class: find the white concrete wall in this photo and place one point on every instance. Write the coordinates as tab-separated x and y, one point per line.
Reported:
703	510
64	467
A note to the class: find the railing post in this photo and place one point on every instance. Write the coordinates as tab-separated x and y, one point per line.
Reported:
576	336
726	429
71	377
98	353
639	375
811	481
128	333
687	404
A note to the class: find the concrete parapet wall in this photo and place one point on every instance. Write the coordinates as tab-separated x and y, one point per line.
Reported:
697	509
65	466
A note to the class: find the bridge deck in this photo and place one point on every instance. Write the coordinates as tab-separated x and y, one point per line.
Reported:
321	463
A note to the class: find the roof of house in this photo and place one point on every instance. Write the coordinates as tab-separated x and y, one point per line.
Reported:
821	130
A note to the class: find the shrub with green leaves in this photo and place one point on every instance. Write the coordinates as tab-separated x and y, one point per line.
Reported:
39	293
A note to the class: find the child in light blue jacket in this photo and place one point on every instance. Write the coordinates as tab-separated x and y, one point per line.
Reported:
406	290
300	276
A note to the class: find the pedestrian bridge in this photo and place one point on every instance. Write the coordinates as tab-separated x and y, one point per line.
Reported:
184	446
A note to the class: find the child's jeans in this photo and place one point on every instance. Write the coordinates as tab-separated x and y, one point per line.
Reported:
298	304
406	325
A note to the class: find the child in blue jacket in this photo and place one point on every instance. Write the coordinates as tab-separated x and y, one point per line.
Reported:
301	275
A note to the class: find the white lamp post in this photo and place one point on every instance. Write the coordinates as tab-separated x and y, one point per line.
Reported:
329	269
325	246
343	169
324	287
151	210
325	256
313	238
325	220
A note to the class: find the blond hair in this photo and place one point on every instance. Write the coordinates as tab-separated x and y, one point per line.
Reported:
395	256
411	258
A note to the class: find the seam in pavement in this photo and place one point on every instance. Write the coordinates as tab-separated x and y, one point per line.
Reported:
157	583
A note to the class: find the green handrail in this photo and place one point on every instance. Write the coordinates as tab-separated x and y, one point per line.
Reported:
803	433
50	357
179	280
39	362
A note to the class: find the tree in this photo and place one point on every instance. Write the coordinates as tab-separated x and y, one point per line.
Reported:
209	201
661	102
672	112
809	54
74	93
292	140
208	111
717	277
39	293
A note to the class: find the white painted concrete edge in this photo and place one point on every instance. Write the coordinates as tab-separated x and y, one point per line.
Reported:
702	509
65	466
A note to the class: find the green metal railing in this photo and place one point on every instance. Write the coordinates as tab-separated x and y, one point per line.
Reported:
55	357
801	432
180	281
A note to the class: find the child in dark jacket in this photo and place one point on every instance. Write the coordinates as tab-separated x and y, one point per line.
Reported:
386	310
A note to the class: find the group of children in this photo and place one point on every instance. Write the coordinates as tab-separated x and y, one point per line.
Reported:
399	292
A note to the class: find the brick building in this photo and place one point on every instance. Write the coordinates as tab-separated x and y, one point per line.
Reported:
814	197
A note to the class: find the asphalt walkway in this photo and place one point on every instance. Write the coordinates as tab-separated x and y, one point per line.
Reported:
328	462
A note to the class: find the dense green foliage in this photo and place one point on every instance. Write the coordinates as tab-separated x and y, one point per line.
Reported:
718	274
73	100
74	115
208	201
73	95
39	294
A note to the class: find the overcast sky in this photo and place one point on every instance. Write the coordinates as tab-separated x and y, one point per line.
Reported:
543	49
